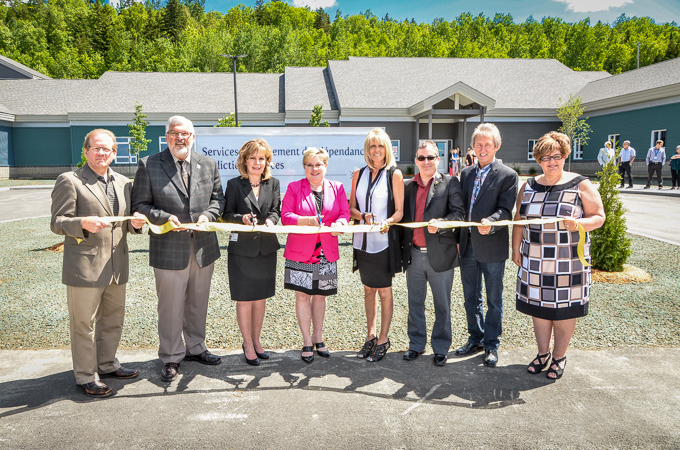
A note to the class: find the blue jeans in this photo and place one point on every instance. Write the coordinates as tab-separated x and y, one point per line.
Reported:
418	275
482	330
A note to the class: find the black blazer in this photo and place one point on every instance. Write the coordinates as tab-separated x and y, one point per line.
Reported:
495	201
158	192
240	200
444	202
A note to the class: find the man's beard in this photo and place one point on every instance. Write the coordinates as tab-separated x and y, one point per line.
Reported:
180	153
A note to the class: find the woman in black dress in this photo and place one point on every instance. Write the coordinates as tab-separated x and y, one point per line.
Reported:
252	198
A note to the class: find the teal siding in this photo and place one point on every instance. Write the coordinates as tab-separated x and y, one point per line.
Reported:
635	126
42	146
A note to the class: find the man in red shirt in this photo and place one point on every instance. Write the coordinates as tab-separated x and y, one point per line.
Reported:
430	254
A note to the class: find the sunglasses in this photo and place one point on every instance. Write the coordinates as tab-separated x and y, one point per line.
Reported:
422	158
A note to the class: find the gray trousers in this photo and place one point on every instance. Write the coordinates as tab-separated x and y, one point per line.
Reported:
96	315
182	309
418	275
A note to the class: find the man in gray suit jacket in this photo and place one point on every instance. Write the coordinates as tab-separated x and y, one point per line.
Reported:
430	254
490	192
95	267
180	186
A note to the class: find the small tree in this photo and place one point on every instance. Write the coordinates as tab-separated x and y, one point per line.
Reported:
609	244
83	159
317	116
139	142
577	129
227	121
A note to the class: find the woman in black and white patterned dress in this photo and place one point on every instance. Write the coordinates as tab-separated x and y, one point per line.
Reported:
553	286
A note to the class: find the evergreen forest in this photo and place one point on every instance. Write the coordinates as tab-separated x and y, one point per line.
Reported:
82	39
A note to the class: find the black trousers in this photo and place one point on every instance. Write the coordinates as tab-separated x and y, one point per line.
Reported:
624	168
675	177
651	168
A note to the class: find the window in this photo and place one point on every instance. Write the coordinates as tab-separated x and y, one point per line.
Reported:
123	155
658	135
4	148
614	139
577	149
161	143
532	143
395	149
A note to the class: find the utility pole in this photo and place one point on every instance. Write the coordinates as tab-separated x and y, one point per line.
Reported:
234	58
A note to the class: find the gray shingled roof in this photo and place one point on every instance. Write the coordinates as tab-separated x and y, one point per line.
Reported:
363	82
117	92
662	74
22	68
307	87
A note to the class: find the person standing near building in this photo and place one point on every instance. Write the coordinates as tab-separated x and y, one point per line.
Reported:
656	158
606	154
95	269
489	193
180	186
675	168
626	158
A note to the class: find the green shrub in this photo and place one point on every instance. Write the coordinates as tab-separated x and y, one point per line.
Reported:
609	244
516	169
532	171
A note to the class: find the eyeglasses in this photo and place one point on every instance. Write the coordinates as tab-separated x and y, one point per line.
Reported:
314	166
104	150
552	158
182	134
422	158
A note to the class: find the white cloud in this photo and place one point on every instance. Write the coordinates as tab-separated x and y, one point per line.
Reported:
592	5
314	4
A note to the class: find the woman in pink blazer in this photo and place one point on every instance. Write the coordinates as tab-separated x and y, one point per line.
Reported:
311	269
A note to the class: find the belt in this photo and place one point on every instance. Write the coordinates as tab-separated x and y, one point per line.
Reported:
422	249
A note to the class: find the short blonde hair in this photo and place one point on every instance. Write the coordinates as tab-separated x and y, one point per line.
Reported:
550	142
251	148
97	131
311	152
378	135
487	129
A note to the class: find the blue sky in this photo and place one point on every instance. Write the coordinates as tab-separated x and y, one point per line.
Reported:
424	11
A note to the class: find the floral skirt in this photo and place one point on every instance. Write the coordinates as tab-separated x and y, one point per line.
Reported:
320	278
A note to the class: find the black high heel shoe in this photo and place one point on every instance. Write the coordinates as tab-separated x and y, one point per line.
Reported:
324	353
559	370
252	362
305	349
263	355
537	367
367	348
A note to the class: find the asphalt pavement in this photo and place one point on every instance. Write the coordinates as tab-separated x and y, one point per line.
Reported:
615	398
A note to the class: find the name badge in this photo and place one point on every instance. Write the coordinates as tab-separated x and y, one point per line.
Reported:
233	237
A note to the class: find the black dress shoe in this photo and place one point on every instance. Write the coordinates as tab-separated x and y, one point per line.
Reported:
263	355
410	355
490	358
204	358
439	360
323	353
169	372
122	372
96	389
469	348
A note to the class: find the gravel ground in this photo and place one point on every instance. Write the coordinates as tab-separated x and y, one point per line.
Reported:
33	311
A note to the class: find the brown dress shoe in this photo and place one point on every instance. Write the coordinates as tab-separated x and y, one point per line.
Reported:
169	372
204	358
96	389
122	372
